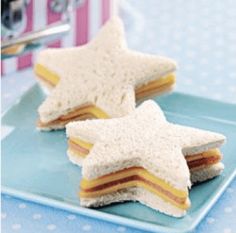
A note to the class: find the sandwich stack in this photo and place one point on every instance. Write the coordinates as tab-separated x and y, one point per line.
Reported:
126	162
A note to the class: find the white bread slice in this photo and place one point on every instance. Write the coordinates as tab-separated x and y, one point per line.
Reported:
103	73
134	194
195	141
207	173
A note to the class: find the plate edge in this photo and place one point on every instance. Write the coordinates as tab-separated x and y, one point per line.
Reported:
114	218
136	224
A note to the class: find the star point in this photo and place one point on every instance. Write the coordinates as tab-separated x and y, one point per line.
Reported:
104	74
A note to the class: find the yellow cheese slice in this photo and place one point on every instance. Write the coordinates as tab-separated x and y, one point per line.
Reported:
210	153
86	184
207	154
47	75
81	143
79	114
97	112
93	110
141	172
79	153
134	183
52	78
168	79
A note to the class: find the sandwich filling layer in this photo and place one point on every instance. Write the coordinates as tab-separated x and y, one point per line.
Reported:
195	162
46	75
134	177
203	160
83	113
51	78
153	87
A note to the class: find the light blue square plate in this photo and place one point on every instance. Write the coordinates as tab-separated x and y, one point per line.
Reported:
35	166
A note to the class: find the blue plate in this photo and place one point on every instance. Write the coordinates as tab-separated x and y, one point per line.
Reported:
35	166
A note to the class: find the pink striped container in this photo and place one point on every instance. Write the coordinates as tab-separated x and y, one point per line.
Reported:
86	20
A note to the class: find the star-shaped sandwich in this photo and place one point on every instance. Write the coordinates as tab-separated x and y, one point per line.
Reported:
142	157
102	79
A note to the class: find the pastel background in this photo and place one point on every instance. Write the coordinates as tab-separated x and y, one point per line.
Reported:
201	36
